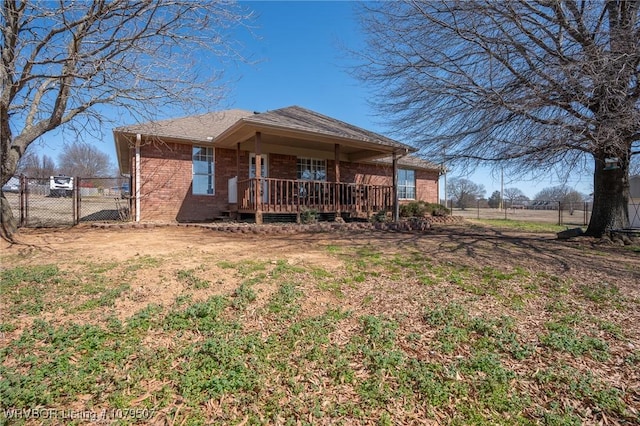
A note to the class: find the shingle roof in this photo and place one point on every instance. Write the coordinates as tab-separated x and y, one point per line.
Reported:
196	127
410	161
298	118
207	127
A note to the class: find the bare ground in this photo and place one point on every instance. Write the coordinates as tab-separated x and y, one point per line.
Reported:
576	264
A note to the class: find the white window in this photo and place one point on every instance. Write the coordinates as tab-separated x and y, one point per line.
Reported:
203	171
406	184
312	169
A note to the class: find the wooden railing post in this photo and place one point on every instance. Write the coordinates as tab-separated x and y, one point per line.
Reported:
258	188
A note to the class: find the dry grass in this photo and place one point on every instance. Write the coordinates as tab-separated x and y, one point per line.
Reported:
461	325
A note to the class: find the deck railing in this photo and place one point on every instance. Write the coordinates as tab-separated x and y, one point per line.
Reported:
287	195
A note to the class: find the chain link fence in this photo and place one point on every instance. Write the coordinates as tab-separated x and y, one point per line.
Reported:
34	204
557	212
40	203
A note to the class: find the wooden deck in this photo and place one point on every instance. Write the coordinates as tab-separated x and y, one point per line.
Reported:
294	196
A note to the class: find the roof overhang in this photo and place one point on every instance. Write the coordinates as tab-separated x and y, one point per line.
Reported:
314	136
123	151
126	141
274	136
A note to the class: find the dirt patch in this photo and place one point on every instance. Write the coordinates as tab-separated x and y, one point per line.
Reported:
581	260
557	313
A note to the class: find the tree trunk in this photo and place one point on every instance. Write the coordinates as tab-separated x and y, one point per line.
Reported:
610	197
9	226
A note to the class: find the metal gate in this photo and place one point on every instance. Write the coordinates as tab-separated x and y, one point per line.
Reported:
34	204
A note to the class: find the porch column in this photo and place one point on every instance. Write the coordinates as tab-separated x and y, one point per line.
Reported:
337	160
396	206
238	160
258	151
336	187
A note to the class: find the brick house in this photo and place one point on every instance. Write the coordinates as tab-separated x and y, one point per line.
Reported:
274	164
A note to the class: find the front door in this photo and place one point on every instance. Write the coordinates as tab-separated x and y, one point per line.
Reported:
263	173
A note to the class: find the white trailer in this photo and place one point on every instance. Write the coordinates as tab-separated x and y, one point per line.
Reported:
60	186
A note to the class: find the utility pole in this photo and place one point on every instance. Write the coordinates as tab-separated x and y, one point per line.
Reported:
502	206
444	172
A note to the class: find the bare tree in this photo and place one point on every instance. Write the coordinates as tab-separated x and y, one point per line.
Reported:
535	84
68	63
79	159
35	167
552	193
514	194
566	197
464	192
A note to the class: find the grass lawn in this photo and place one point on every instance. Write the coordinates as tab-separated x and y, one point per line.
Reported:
521	225
472	324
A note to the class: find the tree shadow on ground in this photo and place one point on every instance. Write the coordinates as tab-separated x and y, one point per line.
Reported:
487	246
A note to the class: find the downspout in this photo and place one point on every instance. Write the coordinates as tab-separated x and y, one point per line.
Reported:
138	141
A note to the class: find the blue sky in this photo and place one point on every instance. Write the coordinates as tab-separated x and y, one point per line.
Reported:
301	60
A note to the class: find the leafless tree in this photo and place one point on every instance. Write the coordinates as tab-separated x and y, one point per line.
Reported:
79	159
567	197
464	192
560	193
527	84
31	165
514	194
71	63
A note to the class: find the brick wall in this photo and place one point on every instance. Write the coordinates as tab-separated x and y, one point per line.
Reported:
427	186
166	179
166	184
283	166
370	174
376	174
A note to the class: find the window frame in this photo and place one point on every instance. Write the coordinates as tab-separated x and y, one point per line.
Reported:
312	165
210	158
404	186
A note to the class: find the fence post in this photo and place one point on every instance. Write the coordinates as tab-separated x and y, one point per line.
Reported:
585	213
23	200
478	208
559	212
76	201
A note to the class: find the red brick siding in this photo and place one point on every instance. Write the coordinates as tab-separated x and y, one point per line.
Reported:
166	179
283	166
371	174
427	185
375	174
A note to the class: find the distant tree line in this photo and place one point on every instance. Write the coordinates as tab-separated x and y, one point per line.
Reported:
77	159
464	193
